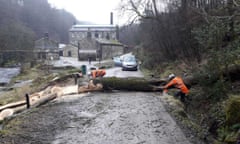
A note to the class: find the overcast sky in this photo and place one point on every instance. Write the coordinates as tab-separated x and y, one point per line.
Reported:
96	11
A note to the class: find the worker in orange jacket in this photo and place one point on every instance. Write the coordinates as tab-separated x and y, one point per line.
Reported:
177	82
97	73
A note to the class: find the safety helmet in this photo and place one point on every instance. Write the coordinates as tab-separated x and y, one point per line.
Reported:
171	76
89	73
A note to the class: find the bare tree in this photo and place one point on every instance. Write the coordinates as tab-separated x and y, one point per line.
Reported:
166	27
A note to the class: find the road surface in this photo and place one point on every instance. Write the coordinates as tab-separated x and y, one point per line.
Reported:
120	118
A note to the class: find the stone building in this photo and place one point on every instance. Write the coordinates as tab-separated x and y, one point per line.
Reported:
96	41
46	49
70	51
87	49
78	32
109	48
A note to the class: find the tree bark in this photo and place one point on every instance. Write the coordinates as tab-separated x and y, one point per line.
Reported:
130	84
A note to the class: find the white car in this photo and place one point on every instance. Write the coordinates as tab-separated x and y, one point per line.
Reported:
129	63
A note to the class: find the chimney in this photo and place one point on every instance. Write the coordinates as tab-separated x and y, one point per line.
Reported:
111	18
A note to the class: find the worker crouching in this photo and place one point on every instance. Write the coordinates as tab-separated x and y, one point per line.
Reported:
97	73
177	82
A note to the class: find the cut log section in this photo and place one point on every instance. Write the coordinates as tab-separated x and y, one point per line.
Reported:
12	105
13	108
6	113
43	100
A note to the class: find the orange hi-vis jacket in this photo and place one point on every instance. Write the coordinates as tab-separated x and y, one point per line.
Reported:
98	73
178	83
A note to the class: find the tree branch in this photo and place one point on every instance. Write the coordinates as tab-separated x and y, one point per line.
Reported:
235	3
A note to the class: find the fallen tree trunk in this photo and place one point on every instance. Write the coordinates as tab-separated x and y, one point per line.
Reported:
127	84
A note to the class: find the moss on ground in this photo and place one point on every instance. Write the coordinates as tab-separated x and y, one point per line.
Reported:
10	126
232	111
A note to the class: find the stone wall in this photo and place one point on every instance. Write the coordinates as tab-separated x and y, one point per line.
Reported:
109	51
70	51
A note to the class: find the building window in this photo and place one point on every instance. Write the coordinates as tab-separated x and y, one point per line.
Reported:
108	36
69	53
89	35
96	35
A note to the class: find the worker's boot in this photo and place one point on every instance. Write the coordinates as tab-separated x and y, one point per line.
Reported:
182	98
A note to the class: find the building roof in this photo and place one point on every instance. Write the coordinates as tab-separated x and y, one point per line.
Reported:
108	42
87	51
61	46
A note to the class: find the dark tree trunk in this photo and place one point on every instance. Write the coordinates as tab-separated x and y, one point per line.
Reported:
130	84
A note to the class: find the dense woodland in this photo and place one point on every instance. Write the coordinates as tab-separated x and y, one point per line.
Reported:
23	23
184	30
200	38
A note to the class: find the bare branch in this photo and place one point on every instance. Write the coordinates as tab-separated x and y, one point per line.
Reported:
235	3
204	14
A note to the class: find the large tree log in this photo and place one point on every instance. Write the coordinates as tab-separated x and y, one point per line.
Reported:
127	84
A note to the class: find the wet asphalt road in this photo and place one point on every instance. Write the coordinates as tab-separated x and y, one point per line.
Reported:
118	118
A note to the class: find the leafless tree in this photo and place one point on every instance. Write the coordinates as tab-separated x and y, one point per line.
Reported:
166	25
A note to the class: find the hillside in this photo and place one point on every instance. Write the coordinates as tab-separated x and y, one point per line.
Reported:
22	22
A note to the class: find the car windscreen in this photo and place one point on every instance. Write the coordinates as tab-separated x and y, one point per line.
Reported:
129	59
